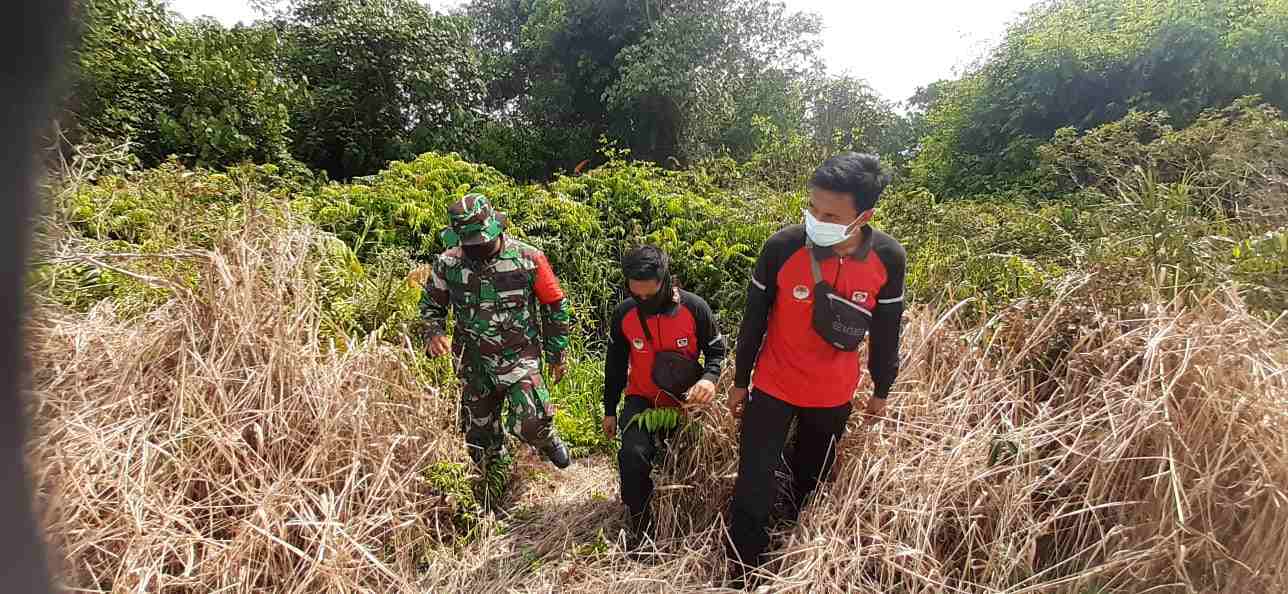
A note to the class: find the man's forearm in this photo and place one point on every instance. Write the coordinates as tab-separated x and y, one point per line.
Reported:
883	354
556	328
751	335
433	313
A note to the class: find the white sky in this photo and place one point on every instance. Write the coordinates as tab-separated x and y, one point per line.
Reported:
896	45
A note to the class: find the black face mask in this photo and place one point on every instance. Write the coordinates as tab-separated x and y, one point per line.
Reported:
656	304
484	251
659	301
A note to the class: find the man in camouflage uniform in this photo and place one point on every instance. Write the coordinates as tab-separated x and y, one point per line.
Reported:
496	284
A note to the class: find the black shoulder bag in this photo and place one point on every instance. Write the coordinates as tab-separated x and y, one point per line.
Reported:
841	322
673	371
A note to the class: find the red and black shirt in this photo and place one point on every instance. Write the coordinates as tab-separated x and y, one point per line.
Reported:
688	326
777	340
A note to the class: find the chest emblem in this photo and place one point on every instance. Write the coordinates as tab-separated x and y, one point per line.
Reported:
859	297
800	292
683	342
638	343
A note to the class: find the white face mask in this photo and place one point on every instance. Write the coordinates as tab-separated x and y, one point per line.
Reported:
826	234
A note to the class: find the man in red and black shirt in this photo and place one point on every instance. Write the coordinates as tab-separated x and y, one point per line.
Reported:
797	374
657	319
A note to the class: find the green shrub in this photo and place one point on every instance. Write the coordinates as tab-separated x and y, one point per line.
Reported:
81	285
153	224
579	406
376	297
1237	154
712	234
1261	265
404	205
172	205
991	252
1083	63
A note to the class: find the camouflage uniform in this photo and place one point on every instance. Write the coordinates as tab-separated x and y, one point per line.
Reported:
497	346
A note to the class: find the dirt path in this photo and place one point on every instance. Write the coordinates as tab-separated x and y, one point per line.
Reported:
560	531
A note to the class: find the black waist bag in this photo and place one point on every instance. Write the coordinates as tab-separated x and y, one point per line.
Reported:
839	321
673	371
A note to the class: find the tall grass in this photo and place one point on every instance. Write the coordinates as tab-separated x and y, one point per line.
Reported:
215	445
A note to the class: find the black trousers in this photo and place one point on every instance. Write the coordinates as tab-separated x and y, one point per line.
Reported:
765	423
635	462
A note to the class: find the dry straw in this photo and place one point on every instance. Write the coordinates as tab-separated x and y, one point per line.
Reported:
218	446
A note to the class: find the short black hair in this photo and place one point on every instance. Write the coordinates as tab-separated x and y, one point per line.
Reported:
857	174
645	262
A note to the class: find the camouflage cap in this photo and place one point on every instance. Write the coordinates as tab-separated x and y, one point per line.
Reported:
473	222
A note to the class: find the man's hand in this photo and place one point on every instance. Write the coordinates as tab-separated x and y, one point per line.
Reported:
440	345
737	398
874	411
701	393
557	371
610	427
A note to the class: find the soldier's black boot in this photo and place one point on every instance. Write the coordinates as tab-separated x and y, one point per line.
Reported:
557	453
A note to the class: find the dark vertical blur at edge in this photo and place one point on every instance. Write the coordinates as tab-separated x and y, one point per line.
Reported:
33	40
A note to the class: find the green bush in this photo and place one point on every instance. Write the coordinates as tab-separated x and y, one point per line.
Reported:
1261	264
81	285
403	206
991	252
172	205
149	223
1083	63
584	223
359	299
579	406
1237	154
209	95
228	103
712	234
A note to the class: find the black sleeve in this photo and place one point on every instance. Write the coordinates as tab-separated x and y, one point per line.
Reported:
710	340
887	319
760	299
616	361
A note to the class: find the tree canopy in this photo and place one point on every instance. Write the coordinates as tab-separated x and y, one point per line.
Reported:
536	87
1082	63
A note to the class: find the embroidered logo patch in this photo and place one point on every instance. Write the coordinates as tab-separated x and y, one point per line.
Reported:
638	343
859	297
683	342
800	292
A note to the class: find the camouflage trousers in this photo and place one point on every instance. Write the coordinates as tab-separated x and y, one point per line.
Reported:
512	386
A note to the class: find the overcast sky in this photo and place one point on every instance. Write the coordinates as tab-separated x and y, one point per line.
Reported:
896	45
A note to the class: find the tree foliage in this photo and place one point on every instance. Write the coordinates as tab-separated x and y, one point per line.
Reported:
1081	63
532	87
705	69
388	79
119	71
228	102
849	115
550	62
668	80
207	94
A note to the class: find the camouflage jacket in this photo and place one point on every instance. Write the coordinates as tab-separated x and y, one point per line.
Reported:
496	302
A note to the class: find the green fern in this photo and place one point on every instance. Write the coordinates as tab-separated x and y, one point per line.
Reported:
496	477
656	419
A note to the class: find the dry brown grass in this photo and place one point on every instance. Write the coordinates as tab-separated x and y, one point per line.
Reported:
216	446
